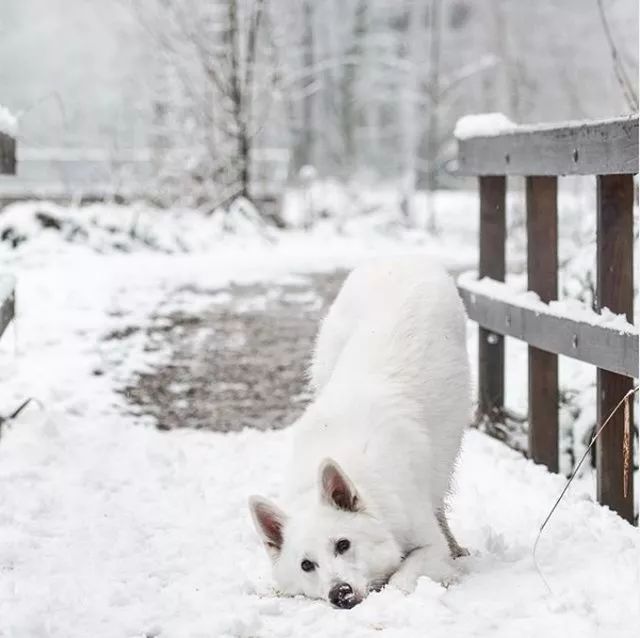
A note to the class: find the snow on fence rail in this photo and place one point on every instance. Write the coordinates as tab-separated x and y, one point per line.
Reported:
608	150
605	340
606	147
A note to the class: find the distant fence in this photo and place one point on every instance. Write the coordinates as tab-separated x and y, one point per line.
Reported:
7	282
86	175
7	154
609	151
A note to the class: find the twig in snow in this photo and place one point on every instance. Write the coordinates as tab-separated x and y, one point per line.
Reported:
594	438
626	449
15	413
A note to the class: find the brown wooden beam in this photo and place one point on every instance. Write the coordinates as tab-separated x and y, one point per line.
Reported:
600	345
614	291
571	148
542	269
7	155
492	264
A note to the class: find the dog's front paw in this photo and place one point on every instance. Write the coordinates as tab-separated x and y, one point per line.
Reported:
424	561
440	569
404	580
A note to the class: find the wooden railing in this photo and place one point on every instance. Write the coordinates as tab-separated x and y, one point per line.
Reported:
87	175
609	151
7	283
7	154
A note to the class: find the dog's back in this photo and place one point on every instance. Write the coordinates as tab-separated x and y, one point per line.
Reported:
390	372
395	310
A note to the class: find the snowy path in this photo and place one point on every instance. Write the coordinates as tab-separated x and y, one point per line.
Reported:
110	527
242	361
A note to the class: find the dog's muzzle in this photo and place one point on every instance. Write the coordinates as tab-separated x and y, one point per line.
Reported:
343	596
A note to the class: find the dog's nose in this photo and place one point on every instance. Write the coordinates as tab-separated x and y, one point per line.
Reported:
343	596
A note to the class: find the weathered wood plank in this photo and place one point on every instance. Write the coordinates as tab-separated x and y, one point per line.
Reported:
580	148
542	269
7	155
602	346
615	291
492	264
7	301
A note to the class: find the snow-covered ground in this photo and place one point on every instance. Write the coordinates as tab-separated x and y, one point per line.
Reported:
110	527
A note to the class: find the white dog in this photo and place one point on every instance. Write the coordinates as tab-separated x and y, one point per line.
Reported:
374	453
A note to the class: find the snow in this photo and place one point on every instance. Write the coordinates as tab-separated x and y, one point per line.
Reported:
7	285
565	308
341	238
483	125
492	124
110	527
8	121
550	126
307	173
113	529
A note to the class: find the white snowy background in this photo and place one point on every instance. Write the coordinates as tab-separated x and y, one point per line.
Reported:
113	527
110	527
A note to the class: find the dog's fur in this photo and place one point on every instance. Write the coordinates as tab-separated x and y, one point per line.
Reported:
374	453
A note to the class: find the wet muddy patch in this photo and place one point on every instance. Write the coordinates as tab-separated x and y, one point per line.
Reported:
238	361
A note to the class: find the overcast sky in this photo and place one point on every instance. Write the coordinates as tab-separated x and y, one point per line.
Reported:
78	70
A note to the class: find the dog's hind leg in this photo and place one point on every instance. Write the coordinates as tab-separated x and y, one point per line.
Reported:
456	550
332	336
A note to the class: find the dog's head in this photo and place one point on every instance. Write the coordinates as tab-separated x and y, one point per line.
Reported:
335	549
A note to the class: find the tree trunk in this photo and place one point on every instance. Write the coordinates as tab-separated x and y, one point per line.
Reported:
240	123
410	108
349	107
306	155
433	125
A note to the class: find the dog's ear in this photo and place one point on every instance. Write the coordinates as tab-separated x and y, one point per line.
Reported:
336	489
269	521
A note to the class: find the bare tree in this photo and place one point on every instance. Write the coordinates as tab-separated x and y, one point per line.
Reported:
374	85
213	57
433	128
308	124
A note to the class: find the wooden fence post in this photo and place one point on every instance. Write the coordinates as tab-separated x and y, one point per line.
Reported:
492	264
7	155
614	291
542	269
7	282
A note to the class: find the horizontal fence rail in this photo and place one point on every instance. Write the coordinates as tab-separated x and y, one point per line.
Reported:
580	148
608	151
604	346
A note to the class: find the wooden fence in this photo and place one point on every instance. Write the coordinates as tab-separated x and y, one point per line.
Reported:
7	283
607	150
87	175
7	154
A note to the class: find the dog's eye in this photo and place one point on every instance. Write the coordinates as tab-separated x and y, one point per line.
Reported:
342	546
307	565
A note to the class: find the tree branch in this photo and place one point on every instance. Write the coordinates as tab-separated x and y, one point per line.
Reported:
630	95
